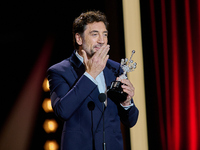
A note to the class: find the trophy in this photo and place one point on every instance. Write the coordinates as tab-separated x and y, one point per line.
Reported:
115	92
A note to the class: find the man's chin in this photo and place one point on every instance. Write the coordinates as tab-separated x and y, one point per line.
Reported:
91	53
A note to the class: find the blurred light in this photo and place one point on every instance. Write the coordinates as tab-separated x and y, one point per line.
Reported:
46	105
51	145
50	125
45	85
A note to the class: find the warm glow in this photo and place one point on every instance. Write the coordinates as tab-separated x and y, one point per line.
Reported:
133	41
46	105
45	85
51	145
50	125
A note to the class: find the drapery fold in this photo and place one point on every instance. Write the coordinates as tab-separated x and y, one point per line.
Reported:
175	33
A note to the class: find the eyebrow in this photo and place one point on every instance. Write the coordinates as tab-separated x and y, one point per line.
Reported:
98	31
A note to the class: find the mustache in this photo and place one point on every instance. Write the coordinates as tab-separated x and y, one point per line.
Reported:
98	45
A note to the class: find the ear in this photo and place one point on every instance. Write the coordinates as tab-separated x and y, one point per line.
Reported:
79	39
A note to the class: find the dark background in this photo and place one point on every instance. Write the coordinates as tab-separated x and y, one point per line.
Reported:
25	25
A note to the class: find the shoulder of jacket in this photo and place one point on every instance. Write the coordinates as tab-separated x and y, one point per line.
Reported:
113	64
61	66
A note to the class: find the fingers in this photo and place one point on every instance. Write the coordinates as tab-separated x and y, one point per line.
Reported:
127	102
95	64
126	81
85	59
103	52
128	87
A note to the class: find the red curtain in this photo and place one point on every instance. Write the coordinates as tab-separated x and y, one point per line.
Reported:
175	27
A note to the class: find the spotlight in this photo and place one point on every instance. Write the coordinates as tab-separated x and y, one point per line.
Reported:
46	105
50	125
51	145
45	85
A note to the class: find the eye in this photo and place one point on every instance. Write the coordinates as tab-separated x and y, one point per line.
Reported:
105	34
94	34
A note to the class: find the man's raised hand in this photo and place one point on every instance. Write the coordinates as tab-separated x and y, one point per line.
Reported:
97	62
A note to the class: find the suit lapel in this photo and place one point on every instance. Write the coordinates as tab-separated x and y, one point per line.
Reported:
78	67
108	76
94	96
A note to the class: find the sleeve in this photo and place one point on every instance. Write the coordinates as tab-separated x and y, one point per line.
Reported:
90	77
128	117
127	107
65	99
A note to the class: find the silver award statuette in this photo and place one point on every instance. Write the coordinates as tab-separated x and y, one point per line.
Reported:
115	91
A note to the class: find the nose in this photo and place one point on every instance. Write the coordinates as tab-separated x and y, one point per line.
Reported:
101	39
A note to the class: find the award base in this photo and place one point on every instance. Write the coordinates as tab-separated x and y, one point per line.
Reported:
115	92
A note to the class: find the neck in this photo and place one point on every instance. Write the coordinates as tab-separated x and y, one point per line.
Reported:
79	51
81	54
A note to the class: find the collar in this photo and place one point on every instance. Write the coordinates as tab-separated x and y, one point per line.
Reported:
79	56
75	60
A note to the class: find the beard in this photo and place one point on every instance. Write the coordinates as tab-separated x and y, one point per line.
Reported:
90	51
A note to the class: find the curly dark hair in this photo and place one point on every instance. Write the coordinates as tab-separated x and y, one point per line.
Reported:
80	22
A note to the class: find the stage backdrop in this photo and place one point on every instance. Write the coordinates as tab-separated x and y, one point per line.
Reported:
133	41
171	35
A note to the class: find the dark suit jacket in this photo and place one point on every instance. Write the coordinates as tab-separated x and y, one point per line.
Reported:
71	91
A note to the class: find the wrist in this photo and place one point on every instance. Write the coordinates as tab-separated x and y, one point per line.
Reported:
92	74
126	103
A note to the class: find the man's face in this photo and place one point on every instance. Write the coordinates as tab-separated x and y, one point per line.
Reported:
94	37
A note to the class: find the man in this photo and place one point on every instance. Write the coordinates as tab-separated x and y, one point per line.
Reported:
76	83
